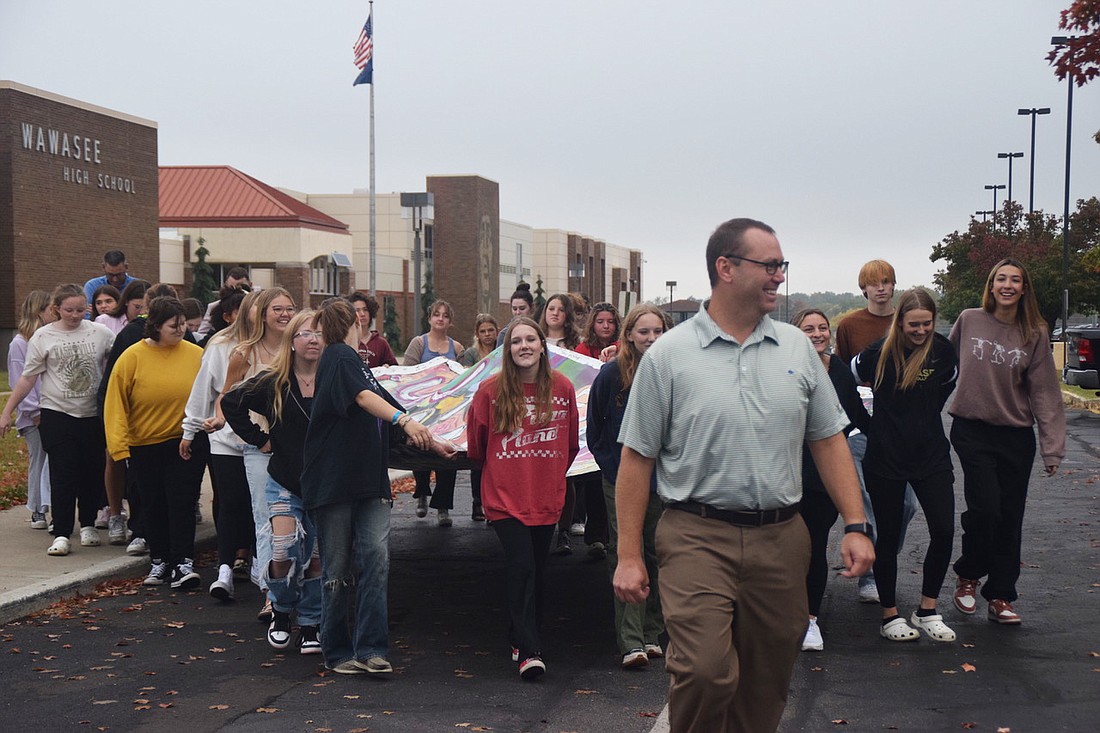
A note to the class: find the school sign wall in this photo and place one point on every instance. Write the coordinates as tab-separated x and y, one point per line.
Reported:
76	180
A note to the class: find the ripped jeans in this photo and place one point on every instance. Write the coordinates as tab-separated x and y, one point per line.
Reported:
354	539
255	469
295	592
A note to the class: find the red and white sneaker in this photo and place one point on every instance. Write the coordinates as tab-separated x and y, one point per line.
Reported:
1002	612
531	668
966	595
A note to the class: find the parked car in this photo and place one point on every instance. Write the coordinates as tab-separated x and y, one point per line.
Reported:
1083	358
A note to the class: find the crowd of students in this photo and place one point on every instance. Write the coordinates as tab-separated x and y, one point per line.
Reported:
281	404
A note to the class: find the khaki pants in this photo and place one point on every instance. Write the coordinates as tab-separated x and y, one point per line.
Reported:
734	601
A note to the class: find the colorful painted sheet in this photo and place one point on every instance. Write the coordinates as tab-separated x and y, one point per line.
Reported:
438	393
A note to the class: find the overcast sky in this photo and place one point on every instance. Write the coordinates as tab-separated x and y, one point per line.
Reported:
856	129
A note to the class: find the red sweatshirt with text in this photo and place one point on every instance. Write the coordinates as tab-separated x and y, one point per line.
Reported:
524	472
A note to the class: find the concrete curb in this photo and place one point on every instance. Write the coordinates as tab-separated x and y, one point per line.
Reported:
33	598
1074	400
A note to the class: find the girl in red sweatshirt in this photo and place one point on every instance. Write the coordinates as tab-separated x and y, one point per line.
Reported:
523	426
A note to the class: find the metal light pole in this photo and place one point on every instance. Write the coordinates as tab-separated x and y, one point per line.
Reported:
994	189
670	284
1062	41
414	204
1031	187
984	214
1010	156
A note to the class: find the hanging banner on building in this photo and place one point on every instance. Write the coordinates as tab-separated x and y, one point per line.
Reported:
438	393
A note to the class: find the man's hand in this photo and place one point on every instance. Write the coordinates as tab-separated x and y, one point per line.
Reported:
631	581
185	449
858	554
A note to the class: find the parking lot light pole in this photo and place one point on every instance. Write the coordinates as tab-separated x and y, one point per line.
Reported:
1031	186
995	189
1064	41
1010	157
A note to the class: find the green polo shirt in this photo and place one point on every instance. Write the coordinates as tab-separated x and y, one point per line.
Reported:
725	421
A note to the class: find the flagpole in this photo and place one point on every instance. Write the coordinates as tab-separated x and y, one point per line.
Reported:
373	249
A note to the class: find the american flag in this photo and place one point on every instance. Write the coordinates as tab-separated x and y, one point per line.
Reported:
364	54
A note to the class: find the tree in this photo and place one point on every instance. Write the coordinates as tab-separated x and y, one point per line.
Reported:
1079	57
540	294
1034	239
203	285
427	297
390	329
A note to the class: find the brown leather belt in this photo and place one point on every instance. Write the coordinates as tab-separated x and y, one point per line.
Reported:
741	518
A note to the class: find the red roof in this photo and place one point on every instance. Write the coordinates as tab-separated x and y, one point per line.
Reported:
222	196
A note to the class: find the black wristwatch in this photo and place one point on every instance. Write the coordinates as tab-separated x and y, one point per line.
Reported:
862	528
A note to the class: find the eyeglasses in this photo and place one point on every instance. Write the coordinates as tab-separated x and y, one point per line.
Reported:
308	335
769	267
283	310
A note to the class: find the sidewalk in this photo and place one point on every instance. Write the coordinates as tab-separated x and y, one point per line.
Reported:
31	580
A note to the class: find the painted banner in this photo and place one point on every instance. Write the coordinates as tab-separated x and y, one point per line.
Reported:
438	393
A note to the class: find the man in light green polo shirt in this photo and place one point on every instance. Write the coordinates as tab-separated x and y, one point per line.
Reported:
720	407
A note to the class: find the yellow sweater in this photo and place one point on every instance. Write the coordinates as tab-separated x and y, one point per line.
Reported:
146	395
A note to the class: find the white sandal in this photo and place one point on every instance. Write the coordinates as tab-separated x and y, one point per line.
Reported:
934	626
898	630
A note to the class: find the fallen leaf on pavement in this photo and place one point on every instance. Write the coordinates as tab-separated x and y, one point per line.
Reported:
103	702
968	667
267	710
840	721
587	692
218	707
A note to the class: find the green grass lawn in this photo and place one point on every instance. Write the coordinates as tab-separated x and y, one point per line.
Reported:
13	470
1088	394
13	461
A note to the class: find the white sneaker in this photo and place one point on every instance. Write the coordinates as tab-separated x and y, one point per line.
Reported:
813	641
868	590
89	537
137	546
222	588
116	529
101	518
59	548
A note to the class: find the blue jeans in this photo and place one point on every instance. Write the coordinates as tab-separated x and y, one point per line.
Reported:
857	444
295	591
255	469
354	538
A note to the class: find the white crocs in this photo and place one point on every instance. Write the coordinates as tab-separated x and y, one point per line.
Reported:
898	630
933	626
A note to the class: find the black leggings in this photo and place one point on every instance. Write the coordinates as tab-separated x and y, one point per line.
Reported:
76	449
444	496
936	495
236	529
819	514
525	552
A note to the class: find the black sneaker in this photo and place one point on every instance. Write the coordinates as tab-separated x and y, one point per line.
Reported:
184	576
478	515
562	546
278	634
308	641
158	573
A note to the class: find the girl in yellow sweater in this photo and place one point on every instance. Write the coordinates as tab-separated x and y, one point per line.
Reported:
143	419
